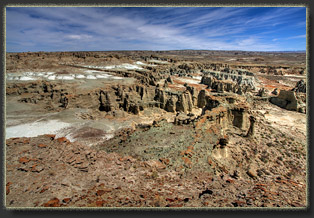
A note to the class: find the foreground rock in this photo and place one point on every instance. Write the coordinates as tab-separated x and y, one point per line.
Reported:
193	165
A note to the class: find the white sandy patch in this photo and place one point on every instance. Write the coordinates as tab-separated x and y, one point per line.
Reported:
91	77
281	118
79	76
140	63
88	74
122	66
103	76
29	73
110	67
197	77
116	77
26	78
131	67
143	64
298	76
189	81
92	71
125	66
53	77
65	77
108	136
35	129
158	61
59	77
91	66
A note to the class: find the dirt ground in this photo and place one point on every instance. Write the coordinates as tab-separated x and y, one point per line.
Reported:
122	129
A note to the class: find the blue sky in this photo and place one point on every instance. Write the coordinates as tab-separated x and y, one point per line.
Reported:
155	28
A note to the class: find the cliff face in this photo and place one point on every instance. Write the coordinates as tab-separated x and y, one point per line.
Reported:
134	98
225	82
294	99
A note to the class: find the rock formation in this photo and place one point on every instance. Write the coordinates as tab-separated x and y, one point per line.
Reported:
300	87
251	130
290	101
190	144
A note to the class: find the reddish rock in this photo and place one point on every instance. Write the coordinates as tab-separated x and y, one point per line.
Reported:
100	203
26	141
239	202
63	140
170	200
190	147
24	160
52	203
101	185
260	184
210	162
100	192
8	187
36	169
230	180
188	152
45	188
165	161
42	146
187	162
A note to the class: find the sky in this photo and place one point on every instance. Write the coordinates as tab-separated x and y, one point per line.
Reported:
155	28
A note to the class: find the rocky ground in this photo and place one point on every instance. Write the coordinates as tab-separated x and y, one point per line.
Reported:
123	129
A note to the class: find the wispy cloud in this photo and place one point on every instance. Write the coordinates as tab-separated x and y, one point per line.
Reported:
33	29
79	37
297	37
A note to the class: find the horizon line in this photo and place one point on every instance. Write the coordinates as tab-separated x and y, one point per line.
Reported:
158	50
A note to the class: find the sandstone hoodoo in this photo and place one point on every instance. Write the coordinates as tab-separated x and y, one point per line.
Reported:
181	128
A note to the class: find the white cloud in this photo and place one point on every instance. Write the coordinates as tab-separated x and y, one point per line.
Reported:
79	37
159	29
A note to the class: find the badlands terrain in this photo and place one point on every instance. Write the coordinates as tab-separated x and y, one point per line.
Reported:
156	129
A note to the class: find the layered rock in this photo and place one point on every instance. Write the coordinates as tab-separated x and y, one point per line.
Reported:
184	102
242	78
290	100
224	84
